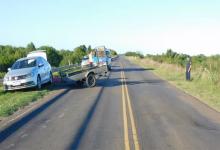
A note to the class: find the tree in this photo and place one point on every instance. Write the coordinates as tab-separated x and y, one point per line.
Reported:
113	52
31	47
89	49
68	57
134	54
79	52
52	55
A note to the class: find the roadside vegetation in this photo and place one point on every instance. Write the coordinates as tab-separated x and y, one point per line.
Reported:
205	80
12	101
135	54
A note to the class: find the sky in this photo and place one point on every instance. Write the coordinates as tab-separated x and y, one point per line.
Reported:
149	26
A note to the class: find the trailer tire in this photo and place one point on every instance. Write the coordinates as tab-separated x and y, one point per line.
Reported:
91	80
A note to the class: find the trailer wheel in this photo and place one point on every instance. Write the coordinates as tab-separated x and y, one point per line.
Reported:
90	80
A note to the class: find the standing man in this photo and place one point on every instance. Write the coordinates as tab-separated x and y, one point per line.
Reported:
188	68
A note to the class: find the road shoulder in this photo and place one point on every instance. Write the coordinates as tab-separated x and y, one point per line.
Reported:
187	97
7	121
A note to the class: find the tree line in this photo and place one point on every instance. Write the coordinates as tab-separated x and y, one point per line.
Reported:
209	62
172	57
134	54
9	54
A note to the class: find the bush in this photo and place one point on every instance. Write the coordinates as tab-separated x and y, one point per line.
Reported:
2	75
113	52
134	54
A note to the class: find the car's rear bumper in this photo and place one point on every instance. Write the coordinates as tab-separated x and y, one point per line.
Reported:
19	84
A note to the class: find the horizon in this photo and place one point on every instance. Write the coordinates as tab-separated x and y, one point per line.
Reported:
150	27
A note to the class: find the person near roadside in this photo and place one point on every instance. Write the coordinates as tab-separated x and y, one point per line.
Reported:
188	69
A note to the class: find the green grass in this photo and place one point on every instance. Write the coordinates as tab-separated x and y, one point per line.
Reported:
12	101
201	85
56	74
2	74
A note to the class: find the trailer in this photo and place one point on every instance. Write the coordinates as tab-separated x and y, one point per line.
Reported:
81	75
99	65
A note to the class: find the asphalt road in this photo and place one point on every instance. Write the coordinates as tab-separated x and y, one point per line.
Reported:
131	109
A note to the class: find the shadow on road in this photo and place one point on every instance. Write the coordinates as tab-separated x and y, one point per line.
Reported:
131	69
81	131
24	120
78	136
117	81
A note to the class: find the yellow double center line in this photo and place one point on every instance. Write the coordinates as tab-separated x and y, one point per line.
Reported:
126	100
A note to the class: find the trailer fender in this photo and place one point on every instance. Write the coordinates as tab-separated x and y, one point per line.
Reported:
88	73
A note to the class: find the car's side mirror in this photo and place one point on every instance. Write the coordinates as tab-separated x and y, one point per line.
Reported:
40	65
9	69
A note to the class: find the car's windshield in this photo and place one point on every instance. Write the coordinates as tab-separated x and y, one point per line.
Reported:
27	63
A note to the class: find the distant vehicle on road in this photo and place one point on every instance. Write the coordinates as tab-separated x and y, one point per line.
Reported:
28	72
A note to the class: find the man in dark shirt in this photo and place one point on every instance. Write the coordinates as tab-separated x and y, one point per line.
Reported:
188	69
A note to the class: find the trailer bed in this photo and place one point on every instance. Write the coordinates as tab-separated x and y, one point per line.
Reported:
82	75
